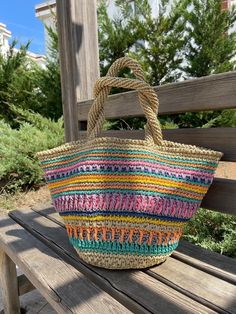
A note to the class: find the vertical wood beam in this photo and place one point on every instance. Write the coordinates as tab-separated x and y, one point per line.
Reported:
9	285
79	57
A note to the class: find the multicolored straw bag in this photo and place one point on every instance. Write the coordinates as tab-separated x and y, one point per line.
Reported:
124	201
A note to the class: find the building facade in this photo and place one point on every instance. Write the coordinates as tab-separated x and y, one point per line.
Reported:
5	36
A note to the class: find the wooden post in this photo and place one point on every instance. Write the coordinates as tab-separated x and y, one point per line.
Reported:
79	57
9	284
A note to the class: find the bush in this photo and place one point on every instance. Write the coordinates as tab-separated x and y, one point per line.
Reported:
19	167
213	231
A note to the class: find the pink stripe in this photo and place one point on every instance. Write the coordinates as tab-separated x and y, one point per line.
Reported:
131	164
126	203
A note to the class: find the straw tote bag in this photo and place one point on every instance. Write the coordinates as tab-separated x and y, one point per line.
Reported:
124	201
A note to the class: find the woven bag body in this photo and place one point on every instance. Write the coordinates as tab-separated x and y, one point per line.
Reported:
125	202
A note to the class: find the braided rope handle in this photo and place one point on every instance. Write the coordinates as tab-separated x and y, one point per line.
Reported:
147	98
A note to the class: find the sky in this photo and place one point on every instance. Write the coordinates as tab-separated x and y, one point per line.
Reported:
19	16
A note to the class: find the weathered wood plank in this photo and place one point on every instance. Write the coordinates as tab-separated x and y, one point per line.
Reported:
67	65
221	196
24	285
78	43
201	286
64	287
9	285
220	139
210	262
141	288
207	93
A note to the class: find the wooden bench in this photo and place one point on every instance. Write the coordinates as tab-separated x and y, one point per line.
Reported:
192	280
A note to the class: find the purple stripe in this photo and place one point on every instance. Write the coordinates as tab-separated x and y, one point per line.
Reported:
128	167
123	203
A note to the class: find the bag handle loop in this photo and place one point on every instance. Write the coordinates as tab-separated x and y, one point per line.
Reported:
147	98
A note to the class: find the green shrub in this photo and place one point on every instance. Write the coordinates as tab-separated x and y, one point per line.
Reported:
213	231
19	167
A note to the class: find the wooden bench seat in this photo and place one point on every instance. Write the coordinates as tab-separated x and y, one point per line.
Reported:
64	287
192	280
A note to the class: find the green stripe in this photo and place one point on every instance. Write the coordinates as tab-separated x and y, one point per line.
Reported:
126	158
131	152
122	248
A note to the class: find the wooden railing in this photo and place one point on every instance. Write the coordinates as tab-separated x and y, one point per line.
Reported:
208	93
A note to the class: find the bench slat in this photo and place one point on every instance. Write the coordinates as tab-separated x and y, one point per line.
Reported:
24	285
64	287
201	286
220	139
210	262
213	92
221	196
154	295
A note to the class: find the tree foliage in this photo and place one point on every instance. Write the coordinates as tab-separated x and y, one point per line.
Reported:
17	81
160	49
211	43
19	168
48	81
117	35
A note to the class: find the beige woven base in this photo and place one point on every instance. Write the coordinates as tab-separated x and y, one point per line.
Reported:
116	261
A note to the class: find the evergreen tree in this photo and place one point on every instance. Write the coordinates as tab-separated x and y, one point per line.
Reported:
48	80
17	83
210	48
117	35
160	49
211	45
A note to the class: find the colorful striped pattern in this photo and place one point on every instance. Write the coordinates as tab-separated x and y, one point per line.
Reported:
121	201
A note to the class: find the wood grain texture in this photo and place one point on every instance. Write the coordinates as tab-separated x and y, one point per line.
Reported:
85	45
207	93
220	139
153	295
221	196
64	287
218	265
9	285
206	289
79	58
24	285
68	67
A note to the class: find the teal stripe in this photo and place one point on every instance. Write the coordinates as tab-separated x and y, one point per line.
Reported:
122	248
126	158
124	191
131	152
127	173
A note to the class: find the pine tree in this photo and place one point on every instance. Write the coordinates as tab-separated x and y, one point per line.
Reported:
160	49
17	82
117	35
211	44
49	82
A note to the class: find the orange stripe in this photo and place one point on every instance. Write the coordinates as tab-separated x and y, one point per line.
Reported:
78	230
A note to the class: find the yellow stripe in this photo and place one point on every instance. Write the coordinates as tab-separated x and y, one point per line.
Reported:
126	219
127	179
